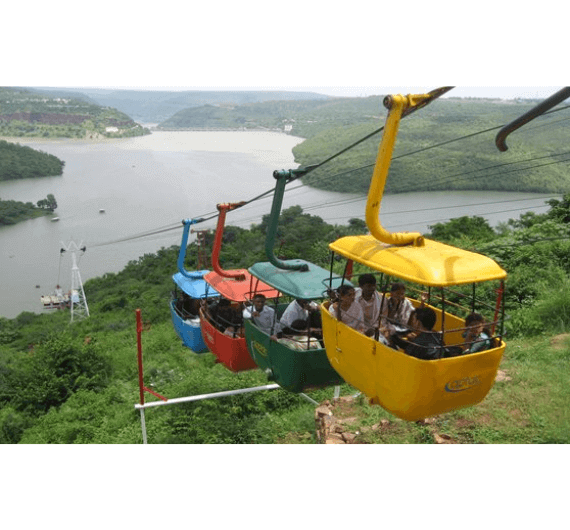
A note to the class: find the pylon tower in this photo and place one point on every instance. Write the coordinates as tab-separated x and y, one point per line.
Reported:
77	299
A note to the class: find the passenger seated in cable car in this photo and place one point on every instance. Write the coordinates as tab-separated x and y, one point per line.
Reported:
298	309
422	343
397	309
371	302
298	337
347	310
262	315
477	337
188	306
224	317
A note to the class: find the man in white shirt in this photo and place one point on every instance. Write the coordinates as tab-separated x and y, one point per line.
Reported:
370	300
297	310
261	315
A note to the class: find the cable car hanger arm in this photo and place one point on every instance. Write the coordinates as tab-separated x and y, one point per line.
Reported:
547	104
182	252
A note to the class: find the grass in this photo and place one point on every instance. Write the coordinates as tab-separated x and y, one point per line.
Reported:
529	406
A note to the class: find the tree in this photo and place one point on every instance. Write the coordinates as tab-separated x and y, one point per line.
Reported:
51	202
474	228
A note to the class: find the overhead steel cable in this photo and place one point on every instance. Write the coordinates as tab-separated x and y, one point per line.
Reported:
145	234
399	212
346	201
435	94
362	197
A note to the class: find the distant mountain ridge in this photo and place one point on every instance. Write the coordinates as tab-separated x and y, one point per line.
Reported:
156	106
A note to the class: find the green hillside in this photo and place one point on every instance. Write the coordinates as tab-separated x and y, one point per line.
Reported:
264	115
24	113
62	383
21	162
445	147
448	145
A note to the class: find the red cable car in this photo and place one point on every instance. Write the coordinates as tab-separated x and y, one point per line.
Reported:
222	324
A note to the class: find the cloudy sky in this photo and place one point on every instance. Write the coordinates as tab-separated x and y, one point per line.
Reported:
354	49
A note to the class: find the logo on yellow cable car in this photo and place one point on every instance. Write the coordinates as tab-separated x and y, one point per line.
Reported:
462	384
259	348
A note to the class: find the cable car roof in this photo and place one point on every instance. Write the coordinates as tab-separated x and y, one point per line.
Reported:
195	287
433	264
236	290
306	285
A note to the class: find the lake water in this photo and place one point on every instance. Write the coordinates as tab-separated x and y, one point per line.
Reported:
152	182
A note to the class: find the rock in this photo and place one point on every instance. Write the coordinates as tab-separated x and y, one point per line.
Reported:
502	376
348	437
442	438
322	410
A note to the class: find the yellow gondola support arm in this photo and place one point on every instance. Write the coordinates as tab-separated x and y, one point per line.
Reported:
397	105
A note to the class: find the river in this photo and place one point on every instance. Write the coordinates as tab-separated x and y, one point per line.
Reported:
151	182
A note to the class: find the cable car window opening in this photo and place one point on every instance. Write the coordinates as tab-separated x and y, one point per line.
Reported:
458	302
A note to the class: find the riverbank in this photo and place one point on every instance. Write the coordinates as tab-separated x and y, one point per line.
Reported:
9	212
152	182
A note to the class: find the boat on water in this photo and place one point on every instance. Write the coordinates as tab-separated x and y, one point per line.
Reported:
101	210
54	219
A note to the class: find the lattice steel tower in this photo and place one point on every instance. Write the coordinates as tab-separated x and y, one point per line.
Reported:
77	299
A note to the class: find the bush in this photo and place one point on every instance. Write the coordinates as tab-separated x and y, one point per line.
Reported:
549	314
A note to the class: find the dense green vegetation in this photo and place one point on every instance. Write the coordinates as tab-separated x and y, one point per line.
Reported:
265	115
62	383
12	212
442	147
20	162
24	113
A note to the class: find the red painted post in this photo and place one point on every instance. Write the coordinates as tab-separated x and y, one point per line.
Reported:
139	346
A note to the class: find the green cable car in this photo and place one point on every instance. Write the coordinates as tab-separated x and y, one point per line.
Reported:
293	368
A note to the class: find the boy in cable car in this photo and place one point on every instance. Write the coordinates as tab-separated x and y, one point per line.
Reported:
262	315
397	309
477	337
422	343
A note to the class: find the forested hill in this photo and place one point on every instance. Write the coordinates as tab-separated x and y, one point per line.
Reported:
448	145
466	158
20	162
155	106
296	116
25	113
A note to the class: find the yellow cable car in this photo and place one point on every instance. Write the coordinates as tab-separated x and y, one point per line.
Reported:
409	387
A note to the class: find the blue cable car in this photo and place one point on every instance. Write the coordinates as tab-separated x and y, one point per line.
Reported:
190	289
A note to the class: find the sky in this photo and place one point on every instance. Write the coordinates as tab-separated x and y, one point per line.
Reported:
503	92
356	49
